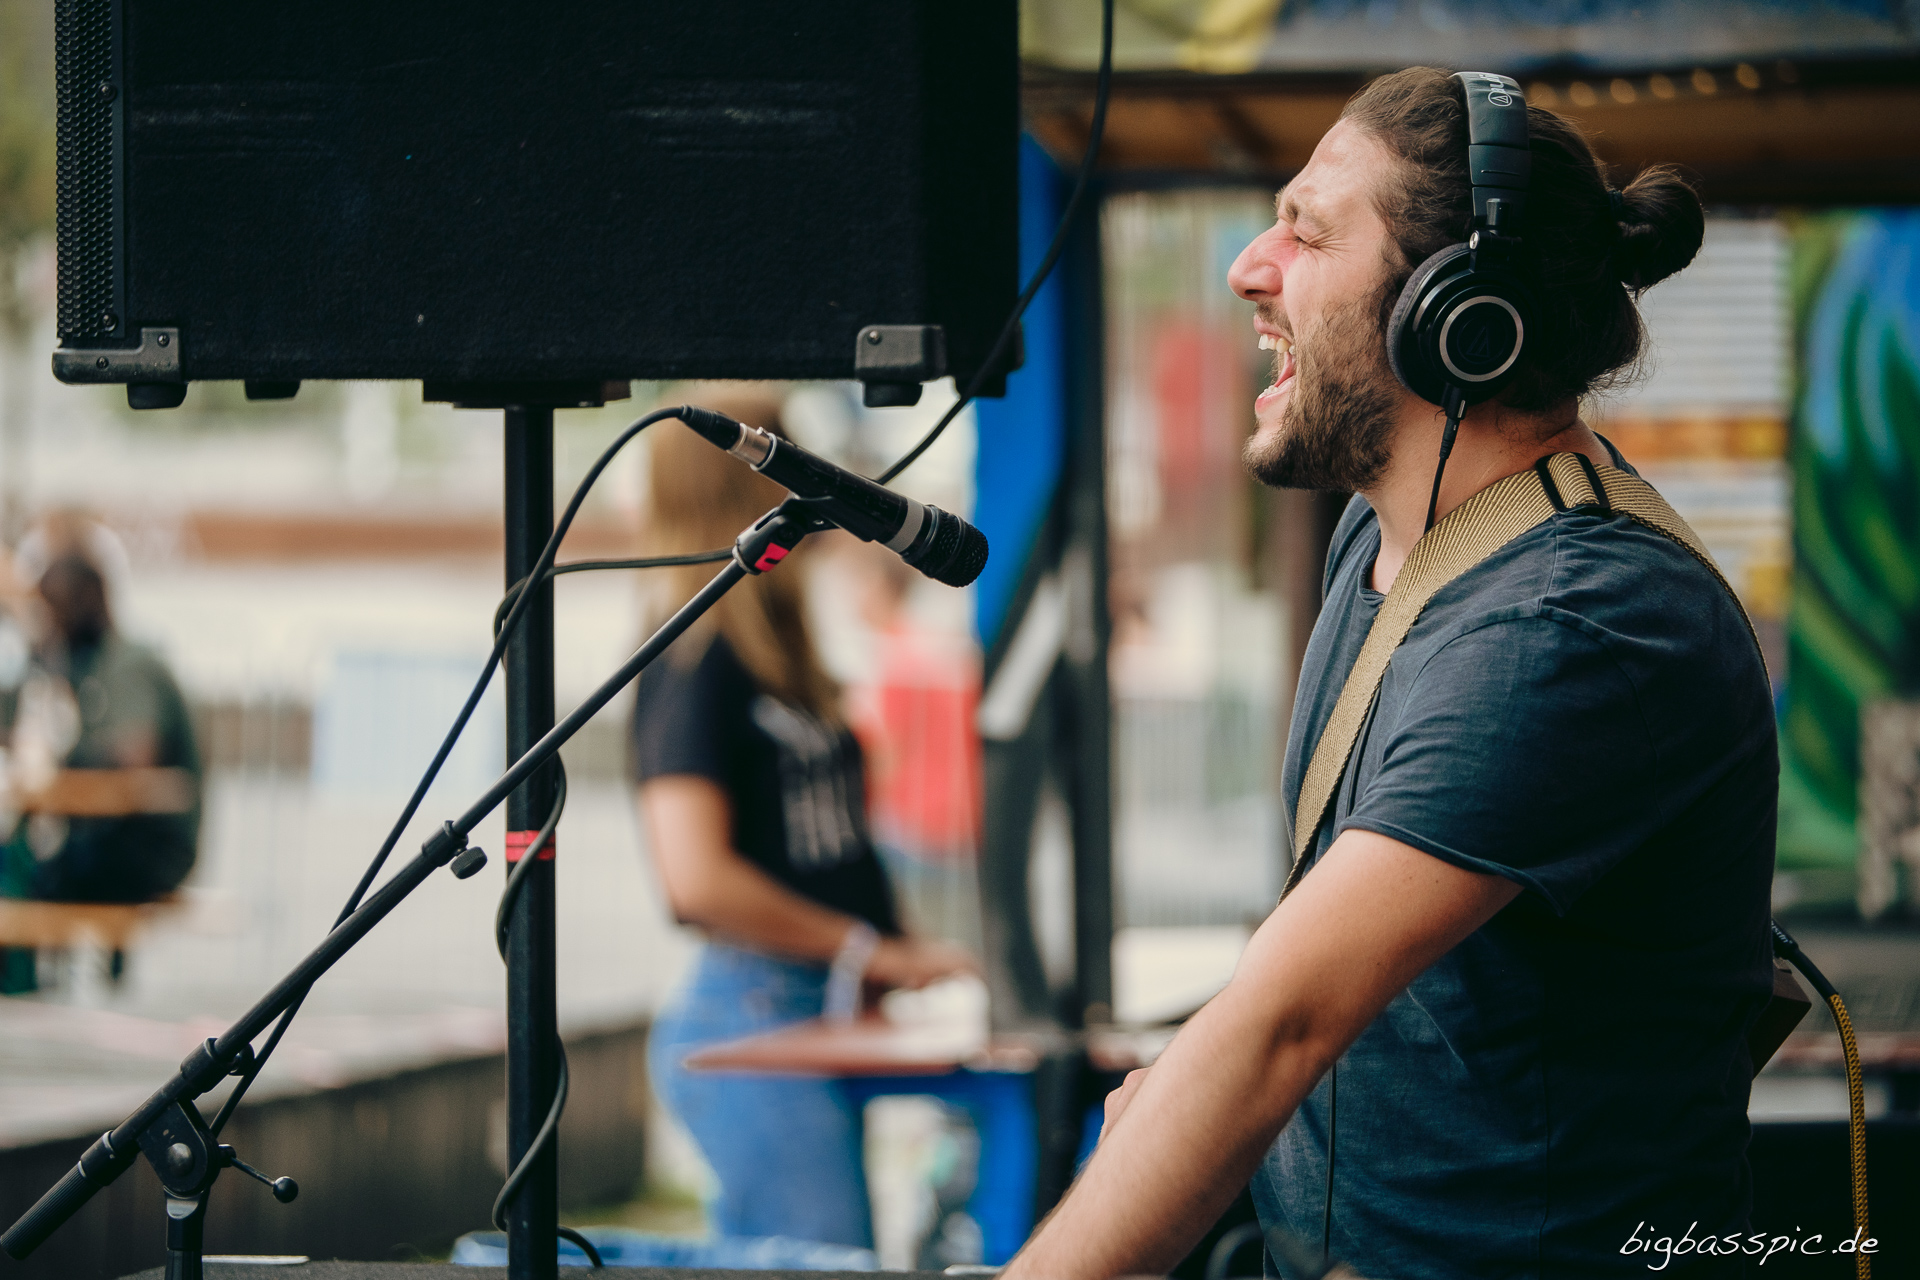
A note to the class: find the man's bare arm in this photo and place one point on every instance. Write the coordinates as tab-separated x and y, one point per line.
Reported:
1363	925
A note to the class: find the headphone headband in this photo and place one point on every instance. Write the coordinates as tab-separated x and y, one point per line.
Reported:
1499	161
1460	324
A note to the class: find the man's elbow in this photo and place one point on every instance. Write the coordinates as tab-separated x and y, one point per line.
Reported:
1295	1040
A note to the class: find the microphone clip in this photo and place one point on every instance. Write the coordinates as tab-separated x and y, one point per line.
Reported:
774	536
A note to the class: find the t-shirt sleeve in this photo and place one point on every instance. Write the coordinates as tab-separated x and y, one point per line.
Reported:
681	717
1522	752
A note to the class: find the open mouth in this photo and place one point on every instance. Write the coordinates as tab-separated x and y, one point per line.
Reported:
1284	366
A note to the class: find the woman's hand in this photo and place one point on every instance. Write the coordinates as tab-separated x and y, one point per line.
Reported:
914	962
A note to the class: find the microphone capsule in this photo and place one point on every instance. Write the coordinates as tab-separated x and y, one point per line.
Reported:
948	549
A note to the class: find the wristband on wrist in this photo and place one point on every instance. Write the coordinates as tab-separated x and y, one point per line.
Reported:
848	968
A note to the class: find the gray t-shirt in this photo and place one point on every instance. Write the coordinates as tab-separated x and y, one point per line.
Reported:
1585	714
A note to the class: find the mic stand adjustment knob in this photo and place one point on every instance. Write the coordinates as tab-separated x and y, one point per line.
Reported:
285	1190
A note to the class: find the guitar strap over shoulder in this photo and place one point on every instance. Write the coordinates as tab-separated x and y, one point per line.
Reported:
1471	532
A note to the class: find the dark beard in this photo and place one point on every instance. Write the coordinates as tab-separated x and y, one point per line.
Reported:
1335	432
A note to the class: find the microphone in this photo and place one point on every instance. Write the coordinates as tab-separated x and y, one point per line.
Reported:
937	543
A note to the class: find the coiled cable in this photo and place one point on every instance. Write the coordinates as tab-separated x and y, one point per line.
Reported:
550	1127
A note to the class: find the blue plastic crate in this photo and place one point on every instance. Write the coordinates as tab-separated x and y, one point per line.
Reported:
625	1247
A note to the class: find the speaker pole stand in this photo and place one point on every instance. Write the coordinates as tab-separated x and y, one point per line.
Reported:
532	1023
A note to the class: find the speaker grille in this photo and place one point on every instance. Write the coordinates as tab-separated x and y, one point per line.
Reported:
84	175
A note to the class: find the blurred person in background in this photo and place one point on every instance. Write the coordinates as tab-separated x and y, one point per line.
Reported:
72	531
751	791
104	766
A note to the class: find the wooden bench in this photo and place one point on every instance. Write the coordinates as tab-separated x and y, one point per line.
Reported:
112	926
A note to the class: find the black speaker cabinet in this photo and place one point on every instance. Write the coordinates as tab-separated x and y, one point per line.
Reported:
520	192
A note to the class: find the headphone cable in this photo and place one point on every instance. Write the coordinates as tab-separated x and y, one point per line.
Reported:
1454	402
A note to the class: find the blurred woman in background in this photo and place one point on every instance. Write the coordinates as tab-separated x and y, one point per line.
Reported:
751	791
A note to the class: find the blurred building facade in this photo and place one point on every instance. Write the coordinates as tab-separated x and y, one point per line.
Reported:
1198	645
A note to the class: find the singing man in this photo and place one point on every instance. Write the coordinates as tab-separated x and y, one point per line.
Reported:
1501	1021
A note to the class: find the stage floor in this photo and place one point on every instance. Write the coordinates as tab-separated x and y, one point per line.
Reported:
446	1271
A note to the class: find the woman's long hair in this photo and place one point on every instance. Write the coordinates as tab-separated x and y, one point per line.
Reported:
700	498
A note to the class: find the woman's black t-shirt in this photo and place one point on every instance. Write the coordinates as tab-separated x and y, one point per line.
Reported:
795	781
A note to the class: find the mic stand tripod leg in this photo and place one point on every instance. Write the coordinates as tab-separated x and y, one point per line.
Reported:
186	1234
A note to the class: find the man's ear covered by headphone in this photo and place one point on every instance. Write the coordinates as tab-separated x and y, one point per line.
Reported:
1460	325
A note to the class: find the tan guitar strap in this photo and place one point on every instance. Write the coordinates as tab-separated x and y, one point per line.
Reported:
1471	532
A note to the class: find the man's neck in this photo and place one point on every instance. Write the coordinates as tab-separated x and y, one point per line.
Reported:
1493	443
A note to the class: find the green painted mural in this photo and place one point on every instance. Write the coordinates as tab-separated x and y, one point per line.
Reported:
1854	622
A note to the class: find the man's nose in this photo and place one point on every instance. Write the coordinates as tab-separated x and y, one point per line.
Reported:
1255	274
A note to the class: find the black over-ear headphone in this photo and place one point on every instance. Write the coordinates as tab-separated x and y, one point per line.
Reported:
1460	324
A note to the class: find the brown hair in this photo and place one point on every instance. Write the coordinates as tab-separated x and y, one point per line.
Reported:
699	498
1585	263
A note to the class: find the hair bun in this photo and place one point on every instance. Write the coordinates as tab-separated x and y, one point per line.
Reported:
1660	224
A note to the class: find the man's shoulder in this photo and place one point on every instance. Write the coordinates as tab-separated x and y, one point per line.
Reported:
1587	583
1610	577
1624	577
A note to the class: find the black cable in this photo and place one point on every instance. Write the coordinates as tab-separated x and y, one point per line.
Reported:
503	632
518	875
549	1127
1333	1102
588	566
1102	90
1454	402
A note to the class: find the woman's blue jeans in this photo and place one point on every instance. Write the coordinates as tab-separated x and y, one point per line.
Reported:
786	1149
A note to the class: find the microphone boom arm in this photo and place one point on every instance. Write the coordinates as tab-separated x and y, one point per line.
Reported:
758	549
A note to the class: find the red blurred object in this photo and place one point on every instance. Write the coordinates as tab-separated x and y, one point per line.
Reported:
1180	371
916	724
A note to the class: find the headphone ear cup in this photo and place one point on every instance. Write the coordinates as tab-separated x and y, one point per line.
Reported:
1416	363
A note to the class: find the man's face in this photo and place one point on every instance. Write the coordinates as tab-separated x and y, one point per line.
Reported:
1317	278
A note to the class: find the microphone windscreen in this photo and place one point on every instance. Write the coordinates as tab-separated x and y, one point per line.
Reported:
957	552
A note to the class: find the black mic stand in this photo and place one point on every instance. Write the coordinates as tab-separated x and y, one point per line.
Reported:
168	1127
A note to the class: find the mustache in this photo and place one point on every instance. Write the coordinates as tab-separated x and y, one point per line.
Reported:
1271	316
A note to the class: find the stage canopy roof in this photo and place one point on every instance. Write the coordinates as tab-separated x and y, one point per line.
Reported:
1790	102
